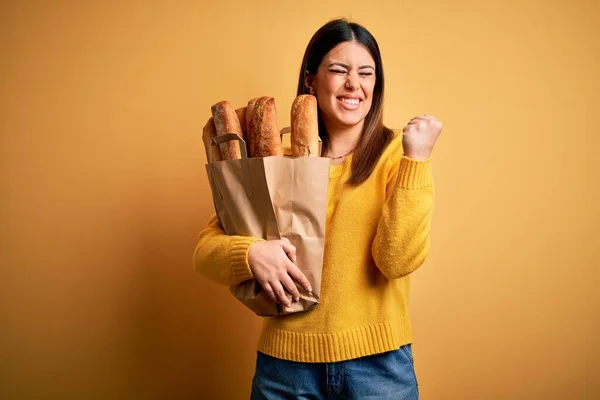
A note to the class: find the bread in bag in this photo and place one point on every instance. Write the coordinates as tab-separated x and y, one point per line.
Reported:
305	127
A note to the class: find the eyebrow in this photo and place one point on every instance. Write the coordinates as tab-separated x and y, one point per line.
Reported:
348	67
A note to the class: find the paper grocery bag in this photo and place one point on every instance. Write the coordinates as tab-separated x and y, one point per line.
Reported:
273	198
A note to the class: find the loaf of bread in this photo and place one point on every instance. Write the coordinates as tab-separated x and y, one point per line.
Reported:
241	114
226	121
208	132
249	115
305	127
263	130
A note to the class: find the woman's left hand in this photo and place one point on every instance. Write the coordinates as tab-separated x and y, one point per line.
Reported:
419	137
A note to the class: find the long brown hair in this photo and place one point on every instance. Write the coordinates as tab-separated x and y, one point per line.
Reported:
375	136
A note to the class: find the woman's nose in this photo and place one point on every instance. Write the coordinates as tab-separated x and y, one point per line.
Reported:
352	81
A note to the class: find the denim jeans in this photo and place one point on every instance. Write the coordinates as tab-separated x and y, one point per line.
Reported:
388	376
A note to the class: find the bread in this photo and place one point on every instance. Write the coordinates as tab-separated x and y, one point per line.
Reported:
249	115
208	132
241	114
263	131
305	127
226	121
253	125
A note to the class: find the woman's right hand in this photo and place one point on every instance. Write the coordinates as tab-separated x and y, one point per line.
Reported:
273	264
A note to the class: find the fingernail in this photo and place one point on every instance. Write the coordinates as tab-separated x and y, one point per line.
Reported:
297	298
309	288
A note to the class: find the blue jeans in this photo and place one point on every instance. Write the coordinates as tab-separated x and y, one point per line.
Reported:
388	376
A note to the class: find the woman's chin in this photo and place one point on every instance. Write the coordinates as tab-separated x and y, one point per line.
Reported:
345	119
350	120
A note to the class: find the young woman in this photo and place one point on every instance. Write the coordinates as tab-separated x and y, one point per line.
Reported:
356	344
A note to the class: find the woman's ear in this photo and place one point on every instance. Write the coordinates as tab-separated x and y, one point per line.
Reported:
308	82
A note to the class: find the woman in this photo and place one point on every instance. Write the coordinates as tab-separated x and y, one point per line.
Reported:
356	344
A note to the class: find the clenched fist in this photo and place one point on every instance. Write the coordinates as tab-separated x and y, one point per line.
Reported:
419	137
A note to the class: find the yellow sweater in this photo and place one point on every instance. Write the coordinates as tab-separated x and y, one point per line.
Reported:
376	235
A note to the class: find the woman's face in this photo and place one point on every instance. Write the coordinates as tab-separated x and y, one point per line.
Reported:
344	85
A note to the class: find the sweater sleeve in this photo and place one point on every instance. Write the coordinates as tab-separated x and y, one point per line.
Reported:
401	243
223	258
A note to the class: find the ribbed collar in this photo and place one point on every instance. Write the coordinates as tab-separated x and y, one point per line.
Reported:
336	171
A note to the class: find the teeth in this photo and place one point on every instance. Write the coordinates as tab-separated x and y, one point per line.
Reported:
350	101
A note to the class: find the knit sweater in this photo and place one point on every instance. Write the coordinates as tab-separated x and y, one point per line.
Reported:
377	234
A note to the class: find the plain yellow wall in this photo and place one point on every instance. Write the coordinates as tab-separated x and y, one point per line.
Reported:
104	190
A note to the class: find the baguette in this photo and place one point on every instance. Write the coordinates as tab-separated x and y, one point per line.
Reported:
249	115
226	121
241	114
265	140
305	127
208	132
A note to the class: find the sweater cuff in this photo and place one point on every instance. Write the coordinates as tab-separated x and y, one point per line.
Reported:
414	174
240	268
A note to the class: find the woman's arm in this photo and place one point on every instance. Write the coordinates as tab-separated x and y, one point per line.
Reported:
401	243
227	260
223	258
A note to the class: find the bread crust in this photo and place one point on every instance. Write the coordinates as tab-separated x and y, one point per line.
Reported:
263	132
208	132
226	121
305	127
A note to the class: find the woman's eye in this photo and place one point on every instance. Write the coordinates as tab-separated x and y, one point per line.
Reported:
366	73
338	71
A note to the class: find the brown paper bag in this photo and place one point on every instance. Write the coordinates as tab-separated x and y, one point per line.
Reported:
272	198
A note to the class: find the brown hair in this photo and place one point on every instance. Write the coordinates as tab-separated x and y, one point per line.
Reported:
375	136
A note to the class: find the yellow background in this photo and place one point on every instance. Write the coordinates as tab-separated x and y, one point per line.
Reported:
104	190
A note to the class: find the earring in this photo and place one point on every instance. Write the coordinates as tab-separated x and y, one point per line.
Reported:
311	90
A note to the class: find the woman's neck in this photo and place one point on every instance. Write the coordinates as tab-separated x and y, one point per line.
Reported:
342	140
